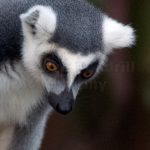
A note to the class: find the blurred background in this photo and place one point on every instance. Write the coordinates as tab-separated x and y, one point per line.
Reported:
112	112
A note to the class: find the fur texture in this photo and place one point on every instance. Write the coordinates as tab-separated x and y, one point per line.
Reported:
71	33
116	35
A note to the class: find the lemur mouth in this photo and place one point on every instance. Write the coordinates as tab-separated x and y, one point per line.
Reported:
62	103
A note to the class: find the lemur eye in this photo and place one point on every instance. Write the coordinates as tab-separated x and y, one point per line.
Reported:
51	67
87	74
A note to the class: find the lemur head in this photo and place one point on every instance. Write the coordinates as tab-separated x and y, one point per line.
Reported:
62	49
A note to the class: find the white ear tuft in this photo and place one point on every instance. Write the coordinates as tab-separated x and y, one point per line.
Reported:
30	18
116	35
39	20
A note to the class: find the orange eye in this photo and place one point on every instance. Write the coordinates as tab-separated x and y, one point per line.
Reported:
87	74
51	67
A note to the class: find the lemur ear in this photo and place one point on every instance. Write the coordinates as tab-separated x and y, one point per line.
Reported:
31	20
116	35
39	20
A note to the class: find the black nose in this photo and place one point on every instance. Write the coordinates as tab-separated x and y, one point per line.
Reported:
63	102
63	110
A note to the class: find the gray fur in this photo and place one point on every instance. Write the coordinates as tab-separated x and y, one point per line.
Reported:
28	137
78	33
84	26
83	35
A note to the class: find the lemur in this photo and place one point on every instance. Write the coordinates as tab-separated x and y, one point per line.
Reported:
48	50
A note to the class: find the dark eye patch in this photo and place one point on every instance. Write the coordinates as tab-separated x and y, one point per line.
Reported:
92	67
62	70
54	57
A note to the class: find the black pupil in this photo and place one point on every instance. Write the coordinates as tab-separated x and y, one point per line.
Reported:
52	67
87	74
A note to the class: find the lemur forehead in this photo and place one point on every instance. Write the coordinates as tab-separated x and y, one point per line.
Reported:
76	61
78	27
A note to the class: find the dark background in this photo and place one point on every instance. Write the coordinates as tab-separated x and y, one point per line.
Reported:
112	112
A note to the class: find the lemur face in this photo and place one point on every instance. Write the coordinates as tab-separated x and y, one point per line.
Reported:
62	53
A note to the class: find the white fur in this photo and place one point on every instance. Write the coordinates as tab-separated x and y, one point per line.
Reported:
52	85
34	49
45	24
75	62
19	93
21	89
116	35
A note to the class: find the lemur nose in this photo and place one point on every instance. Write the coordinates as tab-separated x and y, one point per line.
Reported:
63	110
63	102
66	102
